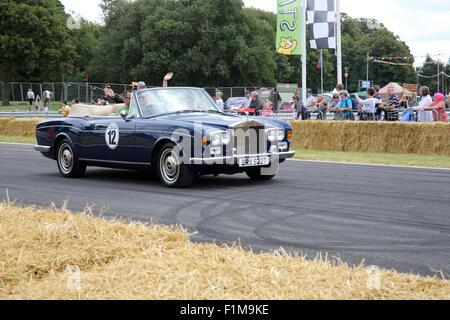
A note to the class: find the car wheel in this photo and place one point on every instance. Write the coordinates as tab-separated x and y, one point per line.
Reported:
68	163
172	172
256	174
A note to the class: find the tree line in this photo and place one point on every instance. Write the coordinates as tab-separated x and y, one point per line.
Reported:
206	43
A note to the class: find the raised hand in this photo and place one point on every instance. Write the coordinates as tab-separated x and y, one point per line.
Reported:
109	92
168	76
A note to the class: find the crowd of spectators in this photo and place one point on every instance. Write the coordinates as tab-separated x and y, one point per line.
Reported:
344	107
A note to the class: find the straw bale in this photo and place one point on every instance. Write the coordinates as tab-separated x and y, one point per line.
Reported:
384	137
119	260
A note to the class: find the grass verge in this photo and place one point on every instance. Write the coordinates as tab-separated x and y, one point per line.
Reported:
419	160
50	253
18	140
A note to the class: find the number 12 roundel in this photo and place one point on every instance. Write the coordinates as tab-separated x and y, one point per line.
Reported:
112	136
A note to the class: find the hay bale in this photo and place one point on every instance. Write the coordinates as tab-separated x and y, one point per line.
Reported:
135	261
384	137
19	127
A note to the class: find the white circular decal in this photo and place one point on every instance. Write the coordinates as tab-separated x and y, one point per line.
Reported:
112	136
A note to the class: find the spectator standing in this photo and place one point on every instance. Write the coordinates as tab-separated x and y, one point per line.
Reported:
346	105
377	96
256	103
47	99
30	98
311	102
425	101
390	113
219	101
334	105
300	110
439	106
368	109
248	100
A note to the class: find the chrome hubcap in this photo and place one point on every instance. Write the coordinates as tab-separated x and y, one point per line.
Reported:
169	165
65	158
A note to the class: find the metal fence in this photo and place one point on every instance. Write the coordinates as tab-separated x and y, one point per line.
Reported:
67	91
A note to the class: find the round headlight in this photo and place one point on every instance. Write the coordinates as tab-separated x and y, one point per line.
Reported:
280	135
226	138
216	139
272	135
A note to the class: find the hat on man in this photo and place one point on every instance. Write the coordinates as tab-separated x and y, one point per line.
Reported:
344	92
141	84
247	92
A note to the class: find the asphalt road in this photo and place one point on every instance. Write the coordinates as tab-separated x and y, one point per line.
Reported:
390	217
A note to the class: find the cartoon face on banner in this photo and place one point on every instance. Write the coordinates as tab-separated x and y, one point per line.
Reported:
288	27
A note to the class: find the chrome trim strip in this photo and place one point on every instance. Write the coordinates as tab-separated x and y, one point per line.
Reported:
43	149
119	162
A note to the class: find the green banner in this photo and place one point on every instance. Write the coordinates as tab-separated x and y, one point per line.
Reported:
288	40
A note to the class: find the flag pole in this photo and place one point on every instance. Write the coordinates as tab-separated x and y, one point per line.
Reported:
338	39
321	71
303	16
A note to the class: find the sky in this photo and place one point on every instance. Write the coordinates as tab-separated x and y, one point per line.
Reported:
423	25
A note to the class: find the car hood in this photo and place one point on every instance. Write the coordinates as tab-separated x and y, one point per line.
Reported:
219	121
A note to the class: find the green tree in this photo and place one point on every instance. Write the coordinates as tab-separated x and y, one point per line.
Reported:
34	41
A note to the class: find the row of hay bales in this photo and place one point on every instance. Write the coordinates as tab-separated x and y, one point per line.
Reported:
384	137
395	137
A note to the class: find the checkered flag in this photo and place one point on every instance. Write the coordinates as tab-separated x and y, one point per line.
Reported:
321	24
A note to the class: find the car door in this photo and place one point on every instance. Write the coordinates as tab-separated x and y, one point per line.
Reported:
110	139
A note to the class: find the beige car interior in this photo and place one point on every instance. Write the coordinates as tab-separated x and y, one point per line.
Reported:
85	110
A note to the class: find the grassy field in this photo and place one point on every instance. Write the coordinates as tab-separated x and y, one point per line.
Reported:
419	160
52	253
24	106
18	140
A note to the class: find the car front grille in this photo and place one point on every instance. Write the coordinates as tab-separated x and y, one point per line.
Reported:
249	140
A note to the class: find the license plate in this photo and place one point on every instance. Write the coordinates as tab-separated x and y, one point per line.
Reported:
254	162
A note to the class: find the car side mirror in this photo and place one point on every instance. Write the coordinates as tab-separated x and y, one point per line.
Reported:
124	114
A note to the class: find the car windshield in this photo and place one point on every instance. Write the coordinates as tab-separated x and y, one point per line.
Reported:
165	101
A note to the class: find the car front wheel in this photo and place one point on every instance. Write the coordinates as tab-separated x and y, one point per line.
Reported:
172	172
68	163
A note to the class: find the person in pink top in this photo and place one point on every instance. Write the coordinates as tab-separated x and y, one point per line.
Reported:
439	106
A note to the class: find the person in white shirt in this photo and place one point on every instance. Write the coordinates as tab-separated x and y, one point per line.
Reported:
248	100
219	101
425	101
30	97
47	99
367	106
311	102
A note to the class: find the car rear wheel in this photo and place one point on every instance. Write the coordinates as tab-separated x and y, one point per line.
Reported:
256	174
172	172
68	163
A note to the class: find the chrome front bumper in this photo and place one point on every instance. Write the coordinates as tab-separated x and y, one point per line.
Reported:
43	149
231	160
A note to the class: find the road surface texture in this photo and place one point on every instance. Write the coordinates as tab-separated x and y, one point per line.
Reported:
394	218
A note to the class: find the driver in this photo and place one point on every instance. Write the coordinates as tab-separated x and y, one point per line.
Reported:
126	98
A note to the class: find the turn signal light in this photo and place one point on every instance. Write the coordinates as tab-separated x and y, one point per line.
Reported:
289	134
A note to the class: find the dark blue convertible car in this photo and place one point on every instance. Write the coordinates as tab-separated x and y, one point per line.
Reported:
178	133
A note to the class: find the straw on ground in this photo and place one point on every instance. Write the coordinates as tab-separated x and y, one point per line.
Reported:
50	253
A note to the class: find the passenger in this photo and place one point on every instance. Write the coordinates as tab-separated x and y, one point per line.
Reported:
75	101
